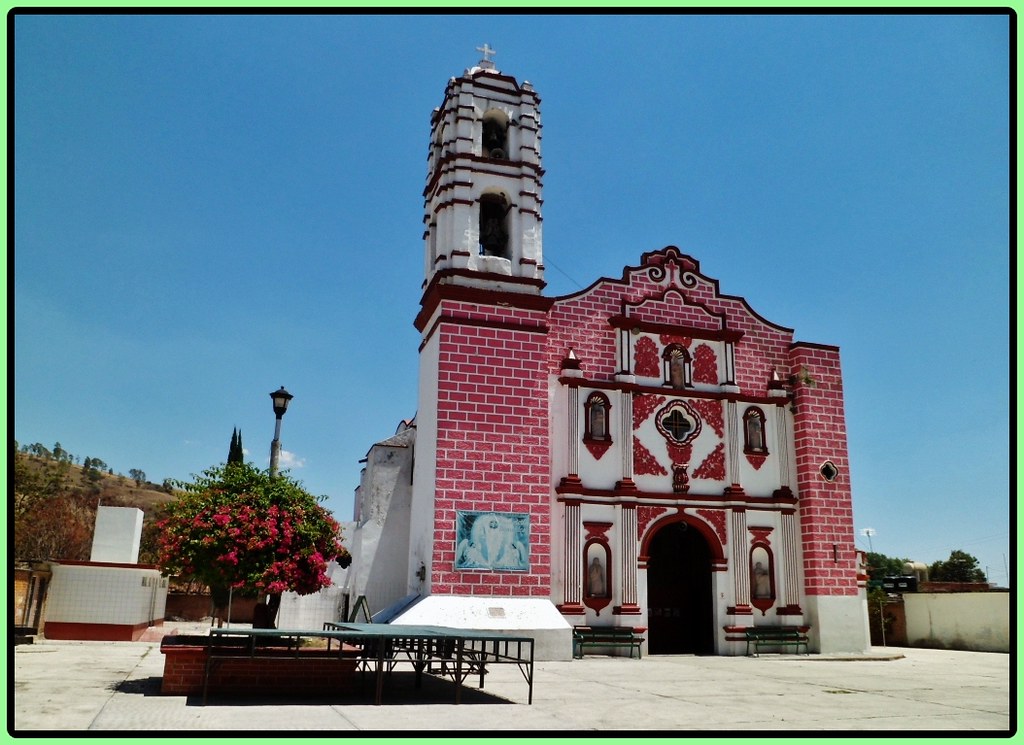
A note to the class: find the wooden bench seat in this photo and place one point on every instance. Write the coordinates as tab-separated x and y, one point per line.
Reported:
606	636
775	636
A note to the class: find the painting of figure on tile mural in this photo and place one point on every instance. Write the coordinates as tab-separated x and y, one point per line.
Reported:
492	540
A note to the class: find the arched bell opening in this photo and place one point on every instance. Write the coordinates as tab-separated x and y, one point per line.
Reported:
494	136
494	232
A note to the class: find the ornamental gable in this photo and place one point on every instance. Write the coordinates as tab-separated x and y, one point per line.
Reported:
666	303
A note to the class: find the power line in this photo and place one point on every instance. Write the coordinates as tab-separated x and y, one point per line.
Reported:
549	262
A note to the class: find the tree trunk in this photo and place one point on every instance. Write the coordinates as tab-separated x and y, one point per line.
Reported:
264	615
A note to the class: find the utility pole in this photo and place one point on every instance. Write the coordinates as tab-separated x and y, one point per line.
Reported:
868	532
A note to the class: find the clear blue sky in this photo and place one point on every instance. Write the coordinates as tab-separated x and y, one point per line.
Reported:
207	208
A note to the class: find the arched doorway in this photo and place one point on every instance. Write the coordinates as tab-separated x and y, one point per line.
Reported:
679	601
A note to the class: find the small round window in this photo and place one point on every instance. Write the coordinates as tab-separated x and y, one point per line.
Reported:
828	471
678	423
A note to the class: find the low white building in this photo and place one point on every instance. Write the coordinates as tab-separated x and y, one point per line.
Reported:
111	597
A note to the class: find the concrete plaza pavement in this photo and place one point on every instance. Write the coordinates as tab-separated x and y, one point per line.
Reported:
63	686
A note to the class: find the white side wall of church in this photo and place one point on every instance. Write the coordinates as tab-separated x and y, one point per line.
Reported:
421	512
380	546
310	611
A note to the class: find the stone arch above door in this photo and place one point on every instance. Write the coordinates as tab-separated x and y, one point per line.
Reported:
707	531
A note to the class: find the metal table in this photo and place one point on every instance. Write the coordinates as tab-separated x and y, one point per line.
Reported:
457	653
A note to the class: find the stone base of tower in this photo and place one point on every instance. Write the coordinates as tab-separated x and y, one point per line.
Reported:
839	624
534	617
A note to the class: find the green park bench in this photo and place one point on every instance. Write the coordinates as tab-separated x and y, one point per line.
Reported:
605	636
775	636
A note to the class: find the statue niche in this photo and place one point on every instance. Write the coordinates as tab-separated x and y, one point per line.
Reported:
597	570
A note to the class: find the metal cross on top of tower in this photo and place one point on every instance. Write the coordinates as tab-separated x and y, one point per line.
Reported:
486	51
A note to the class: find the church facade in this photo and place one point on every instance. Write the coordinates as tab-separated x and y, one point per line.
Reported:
648	452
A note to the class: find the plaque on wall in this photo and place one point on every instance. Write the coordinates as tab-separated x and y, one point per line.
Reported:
492	540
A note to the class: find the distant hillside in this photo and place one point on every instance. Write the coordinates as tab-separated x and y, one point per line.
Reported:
68	476
55	500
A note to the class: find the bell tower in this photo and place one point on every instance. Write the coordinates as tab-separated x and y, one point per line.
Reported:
480	515
482	201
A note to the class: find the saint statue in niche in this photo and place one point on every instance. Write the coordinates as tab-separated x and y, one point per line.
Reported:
596	579
677	370
598	429
761	575
762	582
755	433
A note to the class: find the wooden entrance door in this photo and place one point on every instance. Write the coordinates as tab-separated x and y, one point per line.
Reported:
679	599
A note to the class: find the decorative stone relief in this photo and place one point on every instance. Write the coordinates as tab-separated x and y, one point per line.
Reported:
713	467
644	462
667	339
597	448
644	516
756	460
710	412
716	519
705	365
645	358
643	406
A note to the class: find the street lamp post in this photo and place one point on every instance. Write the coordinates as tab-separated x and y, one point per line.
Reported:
280	397
265	613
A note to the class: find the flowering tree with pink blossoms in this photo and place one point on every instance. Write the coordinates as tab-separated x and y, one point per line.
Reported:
238	528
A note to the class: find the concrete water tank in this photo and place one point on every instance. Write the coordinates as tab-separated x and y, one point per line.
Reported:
916	569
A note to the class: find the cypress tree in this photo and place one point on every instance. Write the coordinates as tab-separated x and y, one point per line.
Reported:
235	450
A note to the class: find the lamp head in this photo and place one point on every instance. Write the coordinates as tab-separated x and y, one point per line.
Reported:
281	397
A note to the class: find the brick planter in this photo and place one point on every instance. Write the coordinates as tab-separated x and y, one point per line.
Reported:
273	672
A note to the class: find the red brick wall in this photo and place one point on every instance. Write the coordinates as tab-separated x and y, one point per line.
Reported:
581	322
285	675
492	439
674	309
761	349
826	509
183	671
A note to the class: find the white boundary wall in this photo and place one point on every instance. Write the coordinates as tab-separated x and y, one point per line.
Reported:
974	621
